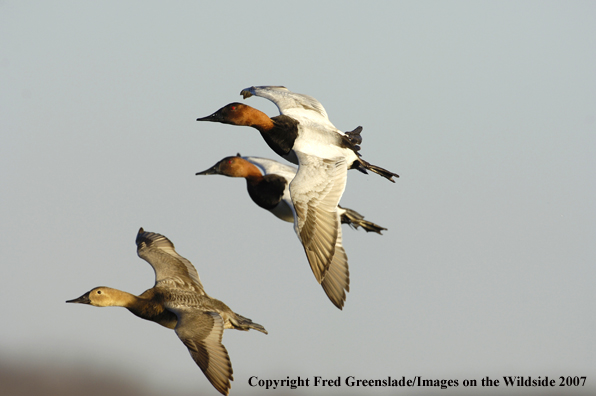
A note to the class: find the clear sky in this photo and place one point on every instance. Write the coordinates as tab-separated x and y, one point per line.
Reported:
487	110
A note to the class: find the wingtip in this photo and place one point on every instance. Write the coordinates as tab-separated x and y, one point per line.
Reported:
141	230
246	93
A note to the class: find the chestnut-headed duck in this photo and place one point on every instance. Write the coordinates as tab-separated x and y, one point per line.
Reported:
178	301
268	183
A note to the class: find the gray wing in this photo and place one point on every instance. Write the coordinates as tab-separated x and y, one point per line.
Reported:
288	102
201	332
168	265
316	191
337	279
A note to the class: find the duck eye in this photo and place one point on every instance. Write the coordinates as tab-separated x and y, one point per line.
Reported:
233	108
99	292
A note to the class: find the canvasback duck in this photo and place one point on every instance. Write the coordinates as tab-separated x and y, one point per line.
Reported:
178	301
304	135
268	183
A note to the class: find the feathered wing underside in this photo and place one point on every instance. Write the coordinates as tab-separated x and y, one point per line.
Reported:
316	191
289	103
337	279
201	332
159	251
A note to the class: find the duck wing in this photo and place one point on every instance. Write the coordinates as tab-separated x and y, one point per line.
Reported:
289	103
337	279
201	332
316	191
170	268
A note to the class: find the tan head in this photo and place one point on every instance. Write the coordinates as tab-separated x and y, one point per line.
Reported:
233	167
102	297
240	114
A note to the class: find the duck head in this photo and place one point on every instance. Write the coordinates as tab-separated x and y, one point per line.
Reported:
99	297
233	113
232	167
242	115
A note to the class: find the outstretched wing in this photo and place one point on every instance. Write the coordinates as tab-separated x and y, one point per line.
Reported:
315	191
168	265
337	279
289	103
201	332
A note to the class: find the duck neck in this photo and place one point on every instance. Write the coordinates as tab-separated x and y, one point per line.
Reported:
260	121
123	299
253	175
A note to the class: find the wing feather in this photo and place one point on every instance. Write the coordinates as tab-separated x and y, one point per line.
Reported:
337	279
201	332
315	192
168	265
289	103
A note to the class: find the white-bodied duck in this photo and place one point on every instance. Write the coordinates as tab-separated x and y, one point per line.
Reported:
268	183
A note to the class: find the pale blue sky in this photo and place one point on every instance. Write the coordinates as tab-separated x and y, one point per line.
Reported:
487	110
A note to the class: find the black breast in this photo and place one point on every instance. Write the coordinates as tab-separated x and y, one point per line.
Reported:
283	134
268	192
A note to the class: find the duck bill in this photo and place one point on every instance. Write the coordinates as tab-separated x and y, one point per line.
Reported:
84	299
214	170
215	117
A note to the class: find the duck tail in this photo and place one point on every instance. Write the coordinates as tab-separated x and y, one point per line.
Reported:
363	166
354	136
355	220
243	323
353	140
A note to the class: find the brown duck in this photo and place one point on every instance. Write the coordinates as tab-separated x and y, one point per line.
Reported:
178	301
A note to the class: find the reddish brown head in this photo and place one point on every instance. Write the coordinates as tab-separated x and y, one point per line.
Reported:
240	114
233	167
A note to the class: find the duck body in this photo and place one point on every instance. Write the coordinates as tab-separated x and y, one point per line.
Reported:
178	301
286	136
268	184
284	175
316	134
150	305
